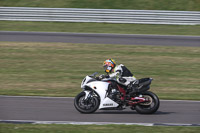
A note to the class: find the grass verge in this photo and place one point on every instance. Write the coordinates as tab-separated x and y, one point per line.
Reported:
100	28
183	5
57	69
30	128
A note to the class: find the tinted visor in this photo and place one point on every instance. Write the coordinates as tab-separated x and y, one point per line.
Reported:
105	67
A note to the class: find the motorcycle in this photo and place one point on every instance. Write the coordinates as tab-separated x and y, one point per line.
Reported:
100	94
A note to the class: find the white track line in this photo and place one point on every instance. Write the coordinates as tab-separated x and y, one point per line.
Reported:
93	123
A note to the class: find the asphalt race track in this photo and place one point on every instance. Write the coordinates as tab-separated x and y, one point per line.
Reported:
128	39
62	109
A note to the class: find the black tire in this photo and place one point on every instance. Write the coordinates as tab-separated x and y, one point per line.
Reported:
150	107
88	106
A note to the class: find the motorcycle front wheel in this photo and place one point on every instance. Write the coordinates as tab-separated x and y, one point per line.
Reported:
86	106
149	107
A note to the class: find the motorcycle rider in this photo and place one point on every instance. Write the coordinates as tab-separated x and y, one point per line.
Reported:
120	72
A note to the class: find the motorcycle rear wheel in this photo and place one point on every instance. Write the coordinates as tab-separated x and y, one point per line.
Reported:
83	106
149	107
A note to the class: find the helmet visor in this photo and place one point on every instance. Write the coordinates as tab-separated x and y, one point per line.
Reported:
105	67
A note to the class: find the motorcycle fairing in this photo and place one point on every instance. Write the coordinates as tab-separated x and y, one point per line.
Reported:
101	90
108	103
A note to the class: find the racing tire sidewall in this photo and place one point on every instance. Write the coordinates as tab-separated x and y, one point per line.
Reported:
81	110
139	108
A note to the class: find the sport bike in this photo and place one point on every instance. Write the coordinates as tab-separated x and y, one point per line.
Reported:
100	94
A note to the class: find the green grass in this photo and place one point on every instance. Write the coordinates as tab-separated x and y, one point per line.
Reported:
100	28
185	5
57	69
30	128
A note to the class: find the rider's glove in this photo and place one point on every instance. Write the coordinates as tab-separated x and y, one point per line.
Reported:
103	76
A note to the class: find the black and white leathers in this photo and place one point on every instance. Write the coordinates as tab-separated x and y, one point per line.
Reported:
120	71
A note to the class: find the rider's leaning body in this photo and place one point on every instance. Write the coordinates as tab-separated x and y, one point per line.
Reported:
120	72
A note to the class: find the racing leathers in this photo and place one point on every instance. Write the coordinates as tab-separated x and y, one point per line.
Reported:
122	74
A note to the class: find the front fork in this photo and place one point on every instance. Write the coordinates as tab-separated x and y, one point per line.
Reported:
86	101
87	95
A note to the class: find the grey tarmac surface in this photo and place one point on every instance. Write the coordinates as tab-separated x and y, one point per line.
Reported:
125	39
62	109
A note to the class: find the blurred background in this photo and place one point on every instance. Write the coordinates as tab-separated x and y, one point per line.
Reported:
56	69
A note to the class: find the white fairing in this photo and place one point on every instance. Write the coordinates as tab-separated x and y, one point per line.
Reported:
108	103
85	80
101	88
